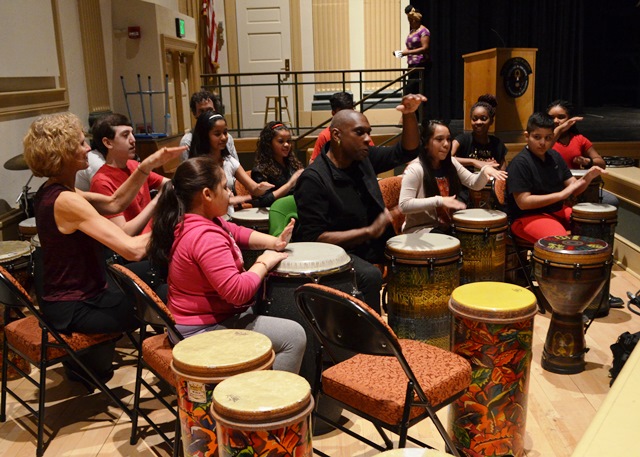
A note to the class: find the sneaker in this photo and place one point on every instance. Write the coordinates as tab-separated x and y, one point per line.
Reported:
615	302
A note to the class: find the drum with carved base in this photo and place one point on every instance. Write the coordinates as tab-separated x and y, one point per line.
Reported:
482	238
592	193
482	198
15	257
255	219
570	271
266	413
492	329
200	363
424	270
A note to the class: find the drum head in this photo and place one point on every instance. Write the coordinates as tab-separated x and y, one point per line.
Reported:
578	173
422	246
35	241
261	395
594	211
478	217
11	250
28	223
572	250
496	302
309	258
249	215
222	353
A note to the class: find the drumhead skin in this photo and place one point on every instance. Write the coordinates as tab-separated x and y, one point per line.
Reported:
251	214
222	353
422	246
35	241
30	222
309	258
594	211
261	396
479	217
11	250
488	301
572	250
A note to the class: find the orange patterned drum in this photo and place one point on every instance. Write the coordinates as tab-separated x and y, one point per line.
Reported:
263	413
200	363
493	329
570	270
482	238
424	270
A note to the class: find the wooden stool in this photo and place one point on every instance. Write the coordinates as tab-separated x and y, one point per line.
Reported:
279	103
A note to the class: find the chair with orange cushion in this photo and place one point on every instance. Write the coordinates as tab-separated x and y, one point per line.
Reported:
393	383
34	339
156	351
241	190
390	188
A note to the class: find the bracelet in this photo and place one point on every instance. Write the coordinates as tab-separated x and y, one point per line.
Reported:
590	162
143	172
262	263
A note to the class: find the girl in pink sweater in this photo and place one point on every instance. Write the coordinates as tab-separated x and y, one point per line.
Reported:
209	288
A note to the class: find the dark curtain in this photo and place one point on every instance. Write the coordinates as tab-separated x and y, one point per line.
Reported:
458	27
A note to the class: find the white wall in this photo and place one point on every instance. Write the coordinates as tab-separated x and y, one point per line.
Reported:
12	131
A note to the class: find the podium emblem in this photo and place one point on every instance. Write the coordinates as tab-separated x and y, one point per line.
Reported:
515	73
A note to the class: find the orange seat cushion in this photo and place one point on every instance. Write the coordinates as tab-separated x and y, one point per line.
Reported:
157	352
377	385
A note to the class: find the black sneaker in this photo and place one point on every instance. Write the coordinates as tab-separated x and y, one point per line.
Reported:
615	302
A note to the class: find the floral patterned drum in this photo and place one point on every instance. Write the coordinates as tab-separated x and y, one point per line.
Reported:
424	270
493	328
200	363
264	413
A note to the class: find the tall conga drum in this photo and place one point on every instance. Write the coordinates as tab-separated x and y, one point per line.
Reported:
14	257
424	270
492	329
320	263
570	271
596	220
482	238
256	219
263	413
592	193
200	363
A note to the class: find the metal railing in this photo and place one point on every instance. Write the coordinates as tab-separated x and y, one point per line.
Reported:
282	81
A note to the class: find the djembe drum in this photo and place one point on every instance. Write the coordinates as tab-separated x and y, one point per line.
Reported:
492	329
255	219
200	363
570	271
14	257
482	198
27	228
482	238
424	270
320	263
263	413
596	220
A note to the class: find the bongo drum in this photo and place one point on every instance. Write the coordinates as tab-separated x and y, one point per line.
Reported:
425	268
320	263
14	257
592	192
570	271
27	228
596	220
482	238
255	219
199	364
264	413
492	329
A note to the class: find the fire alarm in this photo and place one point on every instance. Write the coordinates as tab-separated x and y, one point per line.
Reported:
134	32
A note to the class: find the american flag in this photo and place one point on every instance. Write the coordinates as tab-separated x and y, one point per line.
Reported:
212	40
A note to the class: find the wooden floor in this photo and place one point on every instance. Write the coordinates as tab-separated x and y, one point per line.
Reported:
560	406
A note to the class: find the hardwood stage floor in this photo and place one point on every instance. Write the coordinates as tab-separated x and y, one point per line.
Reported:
560	407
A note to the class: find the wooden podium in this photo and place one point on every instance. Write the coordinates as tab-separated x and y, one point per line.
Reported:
509	74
